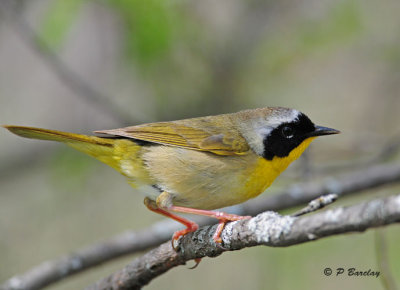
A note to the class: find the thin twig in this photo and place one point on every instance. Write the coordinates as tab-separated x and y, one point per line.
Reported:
268	228
316	204
134	241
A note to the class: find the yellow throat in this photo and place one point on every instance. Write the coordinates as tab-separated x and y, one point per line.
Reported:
266	171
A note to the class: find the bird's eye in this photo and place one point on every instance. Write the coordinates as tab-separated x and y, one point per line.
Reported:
287	132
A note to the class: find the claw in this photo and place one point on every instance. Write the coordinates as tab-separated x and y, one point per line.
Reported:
220	246
197	261
191	227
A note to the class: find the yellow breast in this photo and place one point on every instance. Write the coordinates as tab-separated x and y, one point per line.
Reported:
266	171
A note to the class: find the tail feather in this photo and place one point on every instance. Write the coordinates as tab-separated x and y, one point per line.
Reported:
53	135
107	150
97	147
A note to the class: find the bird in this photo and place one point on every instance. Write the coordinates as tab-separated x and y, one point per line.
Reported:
201	164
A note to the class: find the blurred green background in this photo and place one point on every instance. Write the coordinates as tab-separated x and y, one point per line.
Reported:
152	60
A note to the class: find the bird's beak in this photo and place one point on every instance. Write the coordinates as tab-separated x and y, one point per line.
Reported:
320	131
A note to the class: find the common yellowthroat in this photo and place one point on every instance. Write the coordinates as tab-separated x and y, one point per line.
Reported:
199	164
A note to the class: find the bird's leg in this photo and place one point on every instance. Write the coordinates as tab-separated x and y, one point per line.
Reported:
164	206
221	216
190	226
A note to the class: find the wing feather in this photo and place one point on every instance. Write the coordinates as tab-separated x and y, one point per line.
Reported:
186	134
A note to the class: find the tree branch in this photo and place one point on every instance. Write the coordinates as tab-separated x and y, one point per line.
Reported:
268	229
130	242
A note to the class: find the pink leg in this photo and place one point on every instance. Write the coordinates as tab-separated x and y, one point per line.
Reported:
190	226
221	216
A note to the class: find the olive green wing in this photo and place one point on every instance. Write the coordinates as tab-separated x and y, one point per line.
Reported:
186	134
